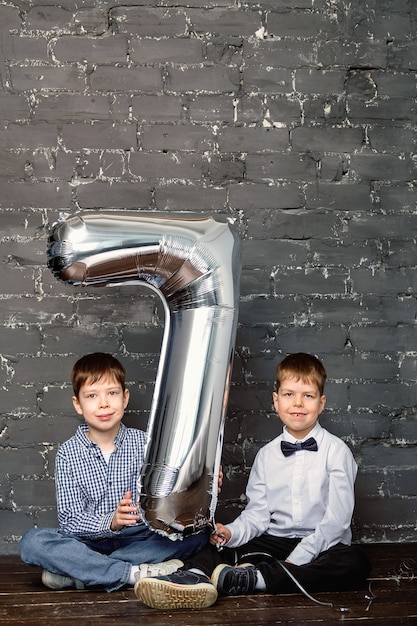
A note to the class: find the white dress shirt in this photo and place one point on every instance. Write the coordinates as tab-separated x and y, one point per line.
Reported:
308	495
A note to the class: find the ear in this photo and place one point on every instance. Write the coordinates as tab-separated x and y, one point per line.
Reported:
77	405
322	403
275	400
126	397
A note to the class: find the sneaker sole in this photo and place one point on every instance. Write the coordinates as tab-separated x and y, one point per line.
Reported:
160	594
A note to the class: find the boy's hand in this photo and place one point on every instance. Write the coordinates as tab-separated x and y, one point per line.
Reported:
126	513
220	536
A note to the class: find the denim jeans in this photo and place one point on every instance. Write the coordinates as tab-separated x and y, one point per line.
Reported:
103	562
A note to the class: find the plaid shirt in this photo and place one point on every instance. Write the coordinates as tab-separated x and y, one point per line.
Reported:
88	489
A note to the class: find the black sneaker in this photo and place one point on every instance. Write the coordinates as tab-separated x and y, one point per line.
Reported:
234	581
181	590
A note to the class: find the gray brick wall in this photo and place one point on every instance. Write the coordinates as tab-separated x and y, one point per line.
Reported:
298	119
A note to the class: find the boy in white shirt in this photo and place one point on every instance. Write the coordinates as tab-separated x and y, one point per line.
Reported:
295	531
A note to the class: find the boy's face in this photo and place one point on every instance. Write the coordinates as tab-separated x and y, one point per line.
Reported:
102	405
298	405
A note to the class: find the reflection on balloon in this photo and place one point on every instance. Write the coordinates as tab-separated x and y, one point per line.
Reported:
193	264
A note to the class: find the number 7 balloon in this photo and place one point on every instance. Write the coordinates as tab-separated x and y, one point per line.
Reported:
193	264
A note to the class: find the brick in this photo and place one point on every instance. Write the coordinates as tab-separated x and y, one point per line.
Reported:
404	432
48	18
345	309
148	340
295	225
157	108
91	20
14	341
328	109
241	23
393	140
99	135
273	253
148	22
268	312
298	24
388	457
383	227
326	139
393	83
185	137
339	195
178	197
319	81
224	108
227	52
224	168
280	110
40	491
34	48
394	338
102	311
382	397
281	167
25	461
253	197
280	54
38	78
210	79
153	166
45	430
368	54
404	57
184	50
255	282
13	523
397	197
316	340
42	135
9	18
390	281
386	110
115	196
13	108
253	140
73	107
127	79
310	281
95	49
357	254
269	80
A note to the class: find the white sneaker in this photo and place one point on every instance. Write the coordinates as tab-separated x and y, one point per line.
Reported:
57	581
150	570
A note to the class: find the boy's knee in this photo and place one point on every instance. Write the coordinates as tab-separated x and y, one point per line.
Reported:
25	542
31	542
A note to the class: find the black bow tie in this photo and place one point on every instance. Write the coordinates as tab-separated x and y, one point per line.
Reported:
289	448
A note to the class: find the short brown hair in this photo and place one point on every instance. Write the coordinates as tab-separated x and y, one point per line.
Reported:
302	365
95	366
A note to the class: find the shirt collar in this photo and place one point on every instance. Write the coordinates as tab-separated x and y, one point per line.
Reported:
82	430
317	433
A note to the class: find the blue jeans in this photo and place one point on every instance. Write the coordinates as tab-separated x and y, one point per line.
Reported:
103	562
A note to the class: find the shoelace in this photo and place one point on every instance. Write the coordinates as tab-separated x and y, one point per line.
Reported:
242	579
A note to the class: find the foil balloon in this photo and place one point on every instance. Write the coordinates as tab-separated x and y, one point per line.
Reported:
193	264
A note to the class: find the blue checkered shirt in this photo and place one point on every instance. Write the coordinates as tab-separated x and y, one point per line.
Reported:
88	489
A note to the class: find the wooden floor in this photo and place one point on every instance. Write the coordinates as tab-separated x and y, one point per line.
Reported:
392	600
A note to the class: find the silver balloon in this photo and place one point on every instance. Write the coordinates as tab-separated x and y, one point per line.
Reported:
193	264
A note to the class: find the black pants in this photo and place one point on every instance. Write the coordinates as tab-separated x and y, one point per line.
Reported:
341	568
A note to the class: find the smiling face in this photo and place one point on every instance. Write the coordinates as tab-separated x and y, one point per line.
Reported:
298	403
102	404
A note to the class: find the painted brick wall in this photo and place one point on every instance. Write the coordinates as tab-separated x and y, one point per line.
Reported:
295	117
